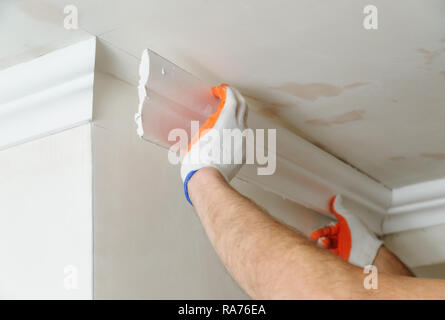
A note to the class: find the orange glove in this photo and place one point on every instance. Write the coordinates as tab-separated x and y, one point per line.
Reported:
349	238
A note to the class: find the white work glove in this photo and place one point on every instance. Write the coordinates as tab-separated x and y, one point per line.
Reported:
206	148
349	238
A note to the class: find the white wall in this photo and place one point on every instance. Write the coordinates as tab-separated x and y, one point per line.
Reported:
148	241
46	218
419	248
435	271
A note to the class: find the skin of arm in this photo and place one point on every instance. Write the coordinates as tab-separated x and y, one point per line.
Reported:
387	262
273	261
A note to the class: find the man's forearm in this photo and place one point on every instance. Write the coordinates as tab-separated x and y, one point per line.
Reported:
271	260
267	258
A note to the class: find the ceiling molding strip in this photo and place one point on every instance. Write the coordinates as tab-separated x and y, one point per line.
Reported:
47	94
420	194
414	219
170	97
416	206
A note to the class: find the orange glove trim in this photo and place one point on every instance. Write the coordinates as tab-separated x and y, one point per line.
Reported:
219	92
336	237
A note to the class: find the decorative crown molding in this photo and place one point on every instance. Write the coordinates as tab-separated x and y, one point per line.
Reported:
304	173
47	94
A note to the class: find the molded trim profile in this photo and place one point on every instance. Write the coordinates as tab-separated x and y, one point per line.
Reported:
416	206
48	94
304	173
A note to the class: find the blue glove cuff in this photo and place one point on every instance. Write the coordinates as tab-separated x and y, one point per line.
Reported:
187	178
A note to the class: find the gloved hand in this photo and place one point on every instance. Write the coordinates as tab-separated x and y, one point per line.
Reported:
231	114
349	238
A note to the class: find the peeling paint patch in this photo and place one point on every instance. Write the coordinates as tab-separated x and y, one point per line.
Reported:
430	56
343	118
354	85
434	156
442	72
397	158
268	104
42	11
395	100
313	91
272	111
274	115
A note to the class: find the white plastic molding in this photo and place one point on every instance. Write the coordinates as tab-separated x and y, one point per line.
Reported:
48	94
169	97
416	206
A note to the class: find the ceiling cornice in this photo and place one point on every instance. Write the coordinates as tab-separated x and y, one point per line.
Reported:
48	94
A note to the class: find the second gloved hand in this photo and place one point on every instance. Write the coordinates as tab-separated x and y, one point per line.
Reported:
349	238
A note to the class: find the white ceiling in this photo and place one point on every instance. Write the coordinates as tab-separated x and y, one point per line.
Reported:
373	98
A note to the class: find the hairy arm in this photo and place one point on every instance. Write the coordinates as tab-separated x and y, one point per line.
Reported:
272	261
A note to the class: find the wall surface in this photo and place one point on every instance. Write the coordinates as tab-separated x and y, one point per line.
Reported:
46	218
419	248
148	241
